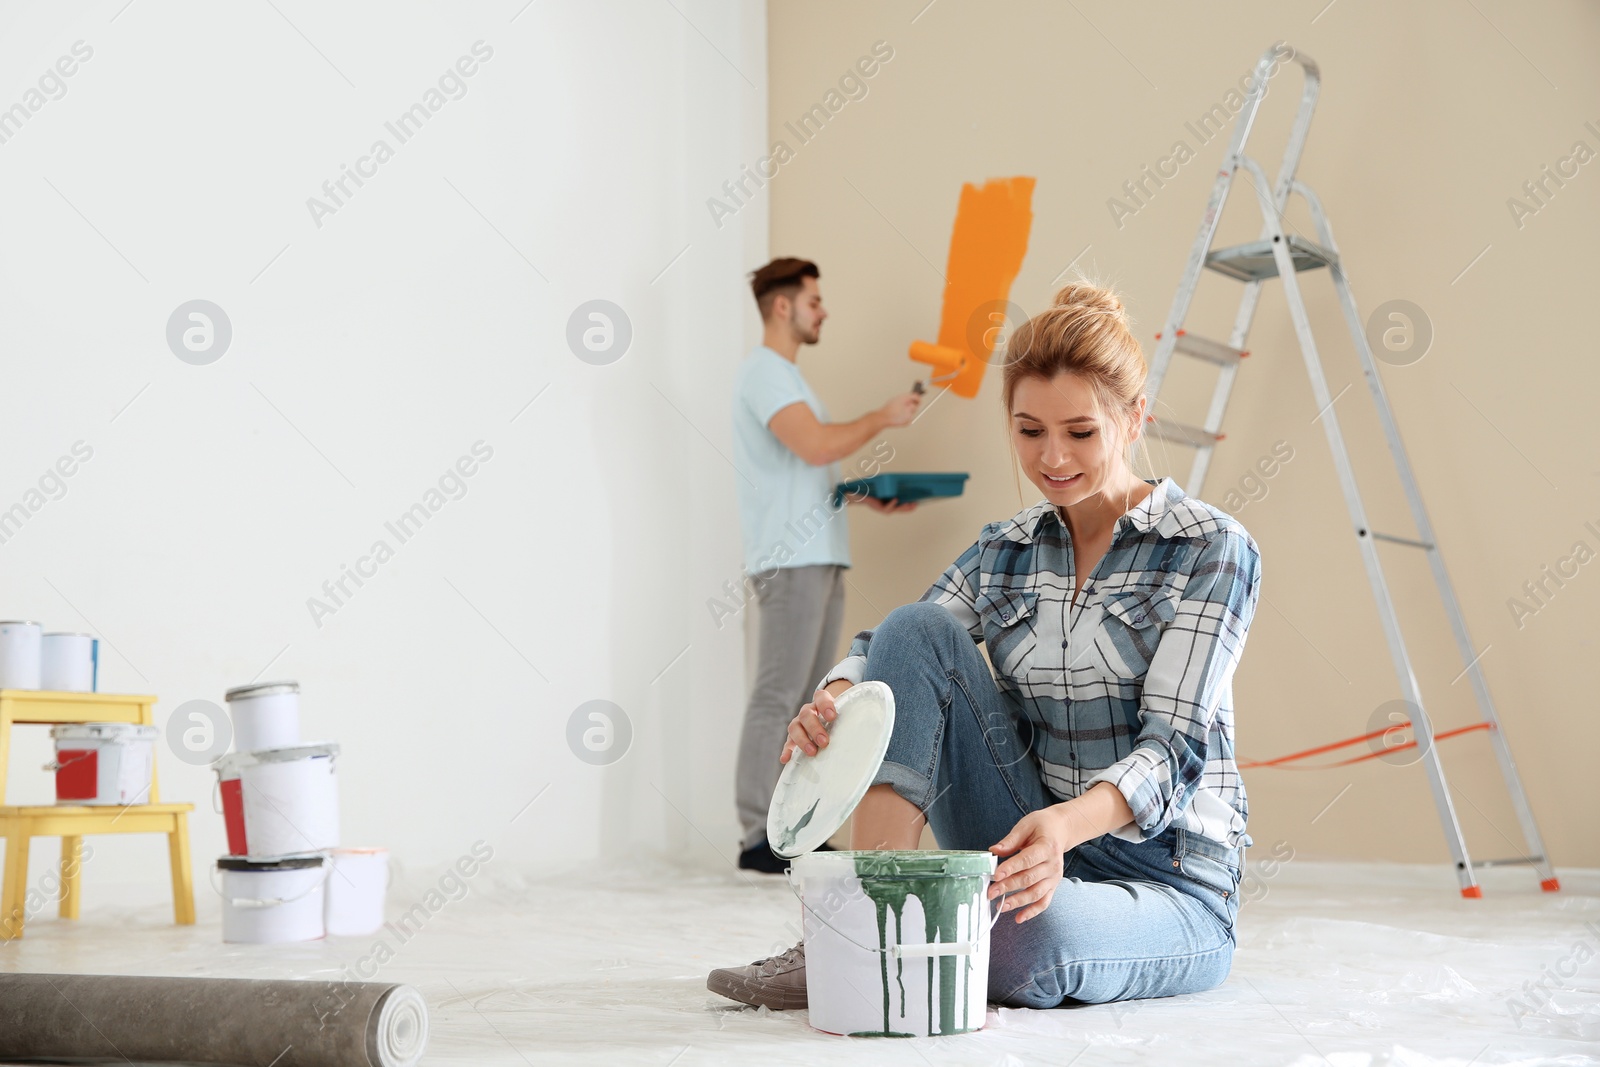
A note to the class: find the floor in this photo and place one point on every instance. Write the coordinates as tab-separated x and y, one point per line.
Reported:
1348	965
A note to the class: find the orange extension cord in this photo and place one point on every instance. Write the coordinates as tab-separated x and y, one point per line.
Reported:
1283	762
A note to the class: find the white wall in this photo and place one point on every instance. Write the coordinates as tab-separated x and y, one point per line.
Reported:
372	352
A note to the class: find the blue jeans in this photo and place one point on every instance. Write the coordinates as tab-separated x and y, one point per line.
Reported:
1151	919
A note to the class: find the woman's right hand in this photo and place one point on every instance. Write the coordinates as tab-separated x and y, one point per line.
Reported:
807	730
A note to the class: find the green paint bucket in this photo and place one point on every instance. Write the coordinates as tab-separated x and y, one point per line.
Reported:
897	942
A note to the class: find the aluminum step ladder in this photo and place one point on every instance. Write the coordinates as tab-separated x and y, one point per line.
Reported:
1282	254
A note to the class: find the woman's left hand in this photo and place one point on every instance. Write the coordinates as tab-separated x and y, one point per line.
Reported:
1036	846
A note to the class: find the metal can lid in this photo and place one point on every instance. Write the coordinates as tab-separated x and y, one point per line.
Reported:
65	633
261	689
287	753
19	622
274	863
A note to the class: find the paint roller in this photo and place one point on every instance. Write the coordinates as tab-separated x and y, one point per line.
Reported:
122	1018
986	249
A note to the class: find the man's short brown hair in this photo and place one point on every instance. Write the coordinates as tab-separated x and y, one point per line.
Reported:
782	277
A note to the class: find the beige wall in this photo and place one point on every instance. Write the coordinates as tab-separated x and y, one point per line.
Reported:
1431	118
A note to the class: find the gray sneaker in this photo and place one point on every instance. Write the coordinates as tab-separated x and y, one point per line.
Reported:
777	982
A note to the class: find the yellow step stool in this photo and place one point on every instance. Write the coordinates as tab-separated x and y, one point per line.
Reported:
18	824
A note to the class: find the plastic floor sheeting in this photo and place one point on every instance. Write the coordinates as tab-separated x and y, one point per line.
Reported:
1339	964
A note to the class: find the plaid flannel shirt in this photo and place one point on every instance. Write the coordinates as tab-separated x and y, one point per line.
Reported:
1133	685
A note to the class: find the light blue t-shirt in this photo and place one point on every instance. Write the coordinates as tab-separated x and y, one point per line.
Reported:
786	511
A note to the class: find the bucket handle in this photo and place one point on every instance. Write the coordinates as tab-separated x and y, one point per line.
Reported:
937	948
269	902
56	764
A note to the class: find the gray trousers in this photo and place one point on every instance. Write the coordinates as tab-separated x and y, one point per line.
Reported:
802	610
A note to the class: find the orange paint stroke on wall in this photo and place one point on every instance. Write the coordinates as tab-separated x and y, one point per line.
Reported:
986	249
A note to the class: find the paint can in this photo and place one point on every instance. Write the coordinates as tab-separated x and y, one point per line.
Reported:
272	902
357	883
69	663
289	800
897	942
265	715
103	762
19	654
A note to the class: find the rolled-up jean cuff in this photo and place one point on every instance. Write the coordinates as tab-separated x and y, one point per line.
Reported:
912	785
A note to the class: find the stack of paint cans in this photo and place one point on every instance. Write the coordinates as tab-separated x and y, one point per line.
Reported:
285	878
61	662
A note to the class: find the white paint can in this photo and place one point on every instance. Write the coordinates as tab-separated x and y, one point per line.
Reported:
69	663
103	762
20	644
897	942
265	715
290	800
356	888
273	902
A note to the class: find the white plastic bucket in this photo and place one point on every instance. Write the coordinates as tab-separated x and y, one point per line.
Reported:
289	800
103	762
19	654
270	903
897	943
265	715
68	663
356	888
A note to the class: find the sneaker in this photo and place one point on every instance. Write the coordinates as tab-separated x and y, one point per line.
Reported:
777	982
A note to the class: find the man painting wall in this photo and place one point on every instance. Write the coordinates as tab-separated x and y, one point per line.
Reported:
787	453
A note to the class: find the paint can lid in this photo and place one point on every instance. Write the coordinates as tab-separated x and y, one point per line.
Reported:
64	633
20	622
261	689
103	731
816	794
274	863
288	753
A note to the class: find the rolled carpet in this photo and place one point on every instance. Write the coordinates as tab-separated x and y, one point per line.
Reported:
117	1018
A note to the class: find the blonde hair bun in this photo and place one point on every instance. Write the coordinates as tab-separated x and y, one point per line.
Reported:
1090	296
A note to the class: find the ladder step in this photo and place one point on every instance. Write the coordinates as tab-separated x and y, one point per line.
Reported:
1205	348
1254	261
1513	861
1181	434
1413	542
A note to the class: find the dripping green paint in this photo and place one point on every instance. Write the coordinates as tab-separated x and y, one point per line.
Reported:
942	882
